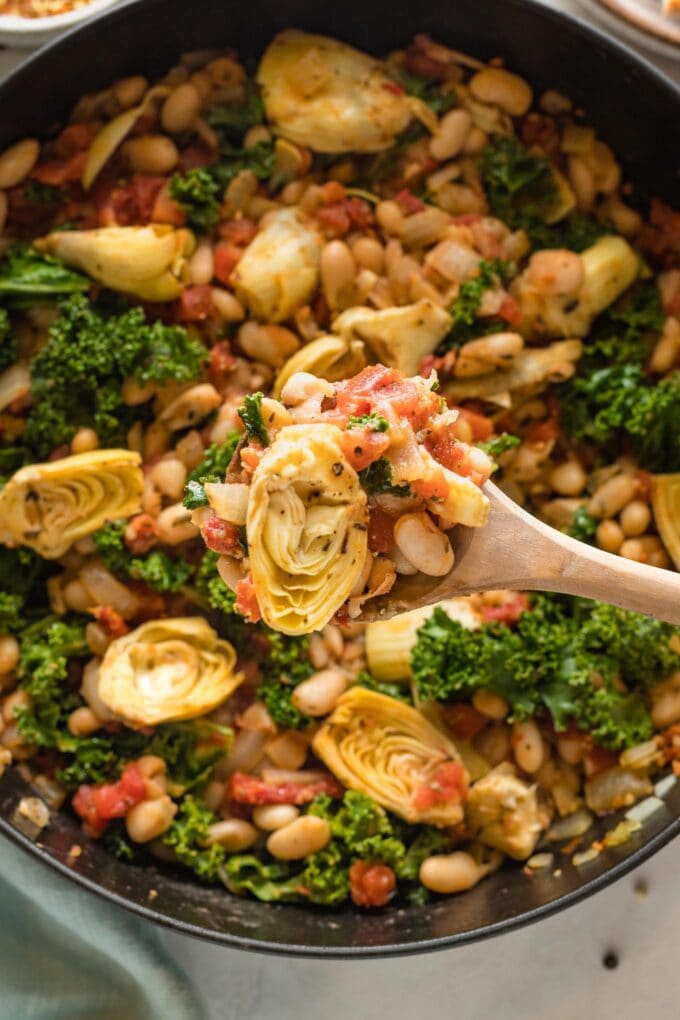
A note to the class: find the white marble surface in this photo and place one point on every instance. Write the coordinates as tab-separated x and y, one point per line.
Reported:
550	971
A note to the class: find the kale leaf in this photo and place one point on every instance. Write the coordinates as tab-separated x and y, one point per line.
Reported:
250	413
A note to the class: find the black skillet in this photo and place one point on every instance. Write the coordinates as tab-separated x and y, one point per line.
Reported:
637	112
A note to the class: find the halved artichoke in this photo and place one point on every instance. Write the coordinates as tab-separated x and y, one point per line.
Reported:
399	337
531	367
144	261
502	811
50	506
330	97
389	751
610	266
666	506
306	528
165	671
328	357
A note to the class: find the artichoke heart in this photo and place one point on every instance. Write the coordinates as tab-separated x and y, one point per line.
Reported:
166	671
144	261
279	270
390	752
503	812
326	95
332	358
399	337
50	506
306	528
666	506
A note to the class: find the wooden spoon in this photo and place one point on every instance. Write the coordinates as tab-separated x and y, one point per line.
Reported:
516	550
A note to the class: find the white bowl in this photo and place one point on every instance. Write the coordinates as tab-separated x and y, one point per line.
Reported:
29	33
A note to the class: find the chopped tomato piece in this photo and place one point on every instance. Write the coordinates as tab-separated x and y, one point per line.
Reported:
97	805
394	87
481	426
510	311
58	172
508	612
195	304
464	721
448	785
112	622
363	446
251	456
246	600
220	362
166	210
221	537
239	231
597	759
380	530
226	258
332	191
371	883
543	431
466	219
434	486
408	202
423	59
141	533
377	385
457	457
340	217
194	156
245	789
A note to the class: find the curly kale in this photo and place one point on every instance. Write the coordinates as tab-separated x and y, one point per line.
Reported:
583	526
465	308
26	275
187	837
198	195
212	468
8	341
428	90
519	184
210	585
373	421
157	569
499	445
76	377
283	667
566	656
377	478
250	413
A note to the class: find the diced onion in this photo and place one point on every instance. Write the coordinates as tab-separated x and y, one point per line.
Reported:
15	383
665	785
539	861
571	826
229	501
644	810
585	857
106	590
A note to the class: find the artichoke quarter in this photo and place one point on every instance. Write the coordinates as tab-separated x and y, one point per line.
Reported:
144	261
389	751
166	671
50	506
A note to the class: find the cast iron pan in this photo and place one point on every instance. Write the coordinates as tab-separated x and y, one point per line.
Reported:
637	112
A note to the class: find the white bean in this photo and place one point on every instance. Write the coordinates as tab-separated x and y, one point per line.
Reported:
635	518
150	819
493	705
318	695
612	496
9	653
288	751
338	271
17	162
609	536
502	88
450	873
369	254
128	91
306	835
83	722
181	108
423	544
234	834
272	345
452	132
271	817
152	154
84	441
169	476
528	746
201	265
175	525
227	307
568	478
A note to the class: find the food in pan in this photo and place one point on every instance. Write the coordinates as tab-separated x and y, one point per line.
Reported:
263	338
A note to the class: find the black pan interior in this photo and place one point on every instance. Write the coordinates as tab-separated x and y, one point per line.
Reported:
637	112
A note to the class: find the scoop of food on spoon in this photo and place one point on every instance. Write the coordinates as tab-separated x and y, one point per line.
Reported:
516	550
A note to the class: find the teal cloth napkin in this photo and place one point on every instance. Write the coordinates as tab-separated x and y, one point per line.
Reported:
65	954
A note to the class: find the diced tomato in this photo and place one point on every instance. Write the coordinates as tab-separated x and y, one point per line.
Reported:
221	537
377	384
481	426
538	129
380	530
508	612
510	311
363	446
332	191
447	786
220	362
456	456
59	172
97	805
466	219
245	789
338	218
464	721
543	431
408	202
76	137
671	743
371	883
394	87
239	231
226	257
660	237
422	59
194	156
112	622
246	600
195	304
166	210
141	533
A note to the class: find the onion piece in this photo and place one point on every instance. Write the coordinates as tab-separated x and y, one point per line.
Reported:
539	861
665	785
570	827
585	857
106	590
15	383
644	810
229	501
